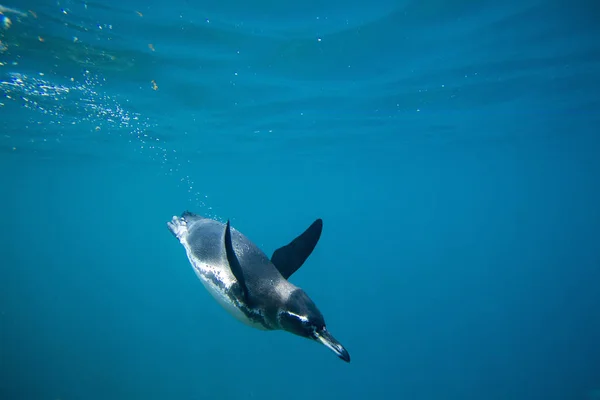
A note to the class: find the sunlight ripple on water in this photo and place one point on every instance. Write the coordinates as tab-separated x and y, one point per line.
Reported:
63	109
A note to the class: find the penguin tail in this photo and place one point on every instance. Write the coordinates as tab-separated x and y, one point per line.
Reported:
178	227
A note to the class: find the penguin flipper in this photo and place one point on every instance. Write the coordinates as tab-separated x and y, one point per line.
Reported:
289	258
233	261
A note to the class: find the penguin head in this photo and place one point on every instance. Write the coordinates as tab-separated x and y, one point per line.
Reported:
300	316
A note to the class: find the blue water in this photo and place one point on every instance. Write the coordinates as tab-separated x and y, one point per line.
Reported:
451	148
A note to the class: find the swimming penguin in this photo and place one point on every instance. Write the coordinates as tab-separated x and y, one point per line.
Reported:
249	285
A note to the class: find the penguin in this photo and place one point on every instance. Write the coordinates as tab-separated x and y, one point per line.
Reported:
249	285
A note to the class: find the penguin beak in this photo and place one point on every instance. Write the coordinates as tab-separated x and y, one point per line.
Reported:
325	337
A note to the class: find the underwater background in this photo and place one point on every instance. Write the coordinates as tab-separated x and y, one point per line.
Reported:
451	148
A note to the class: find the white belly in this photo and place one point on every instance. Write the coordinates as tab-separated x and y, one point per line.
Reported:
220	294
